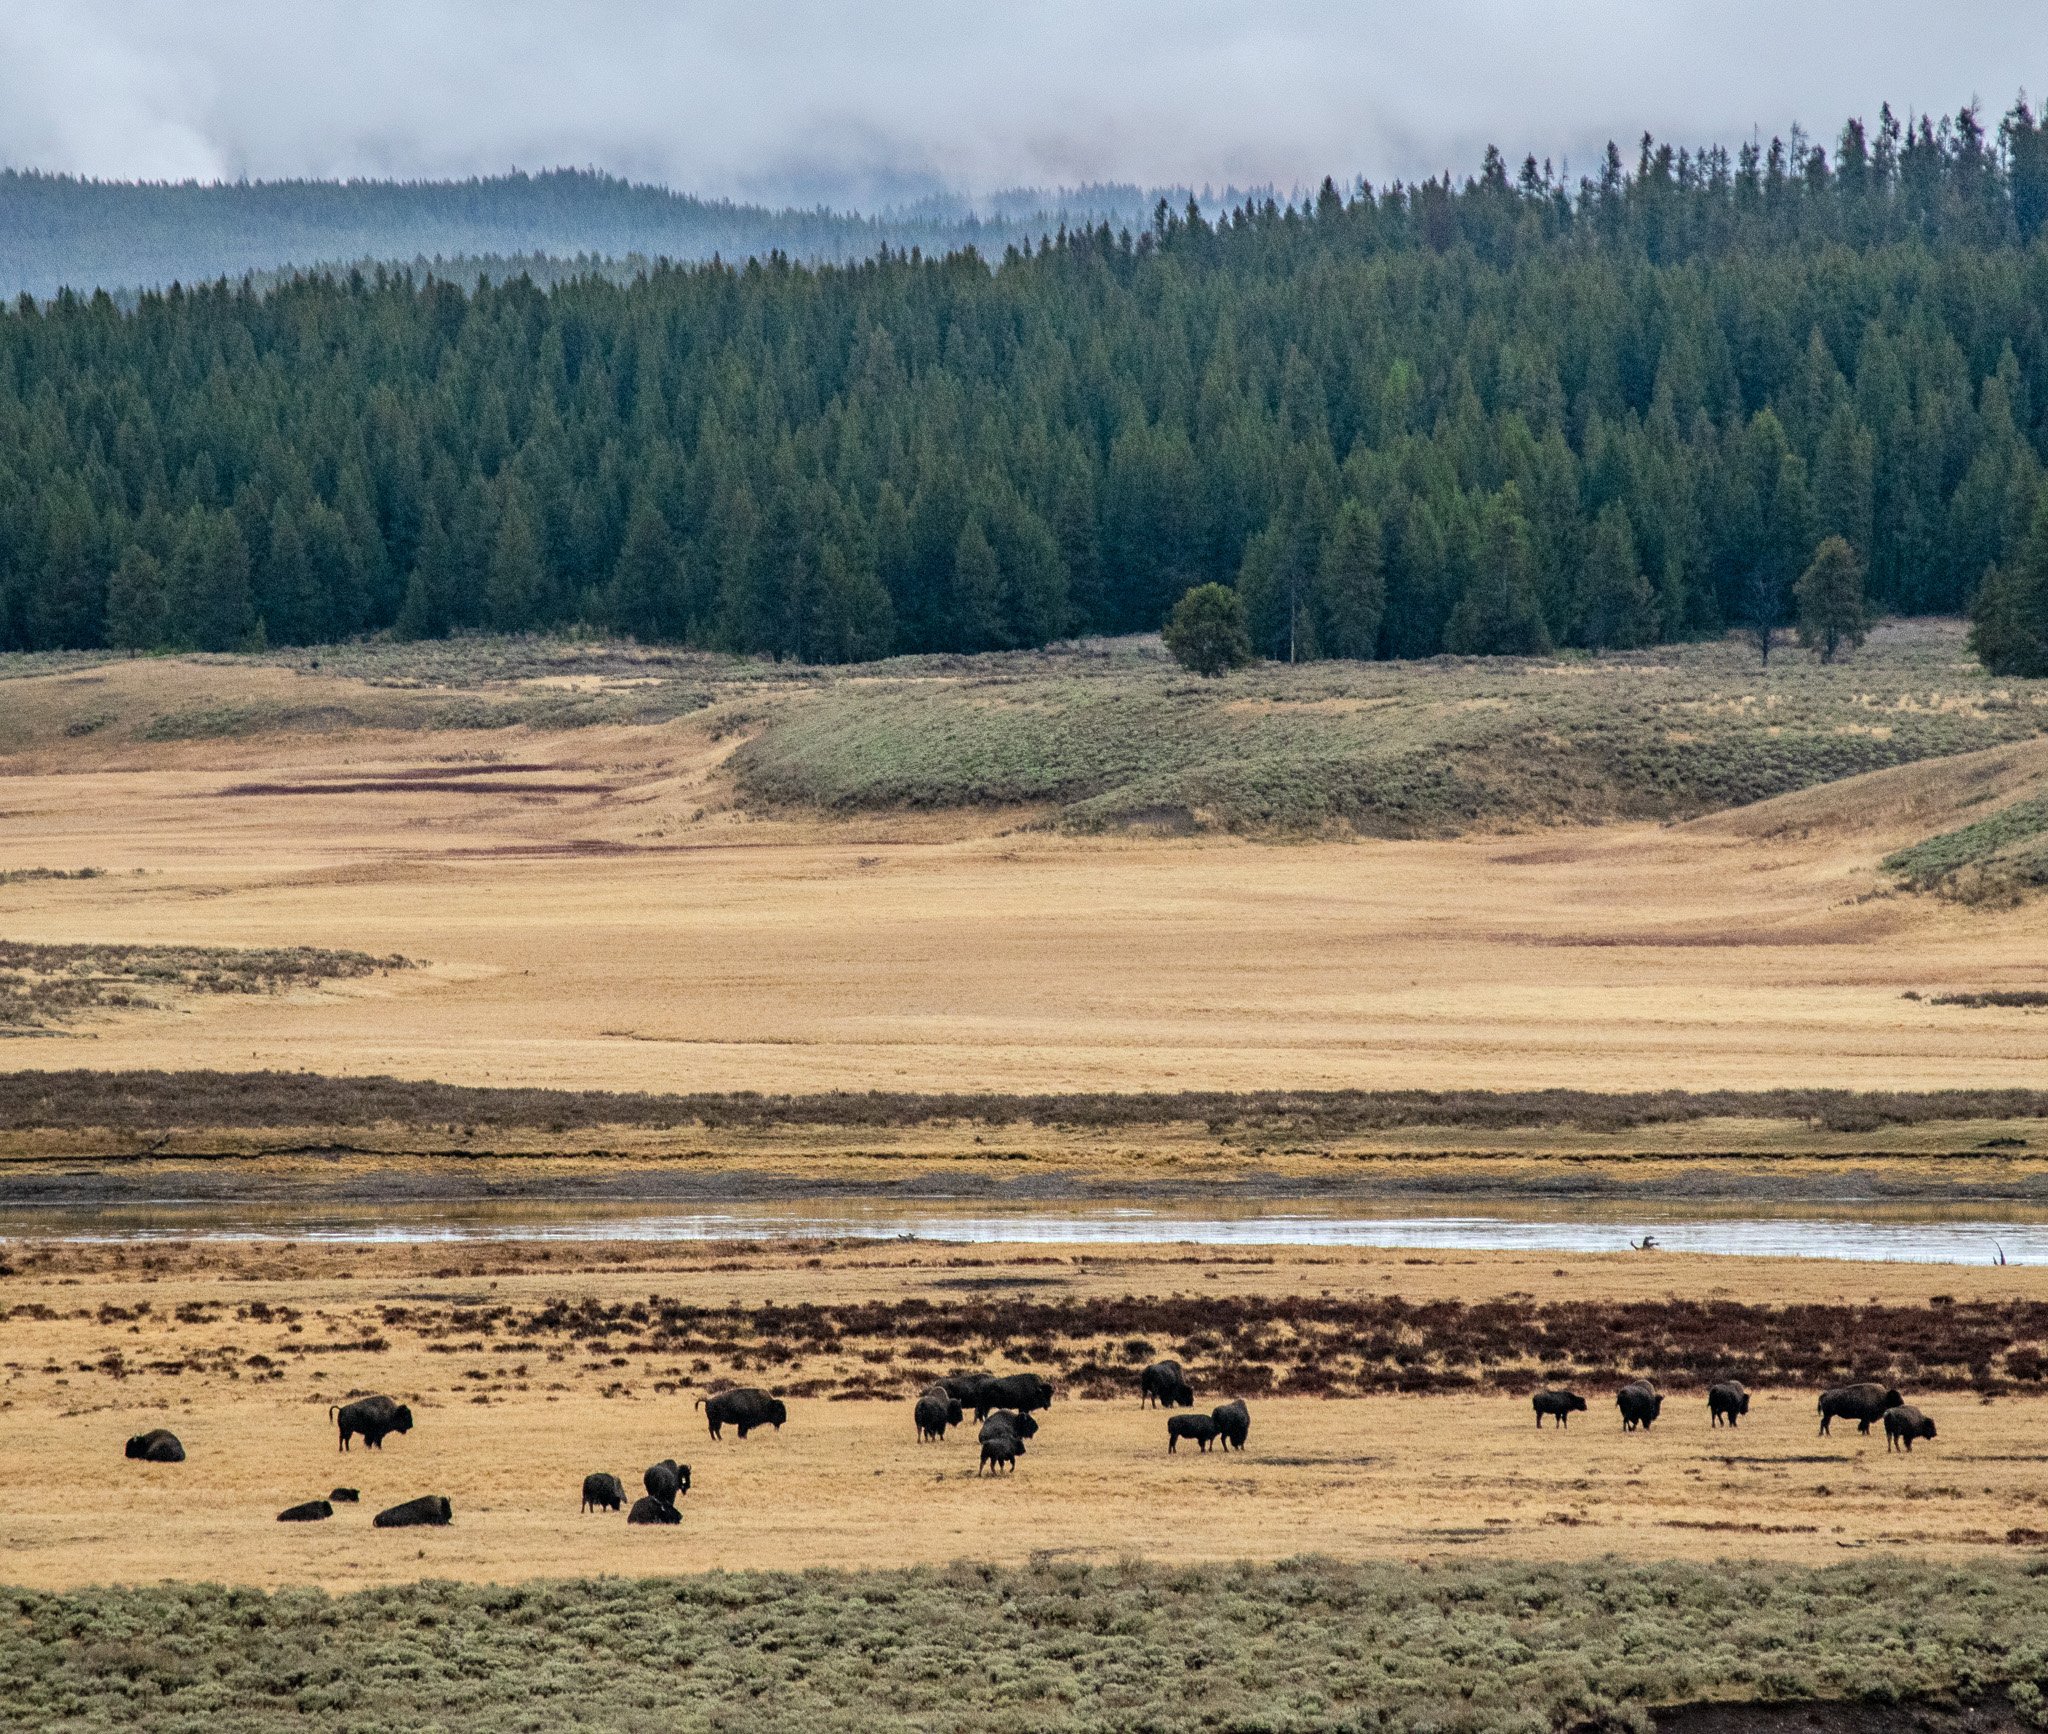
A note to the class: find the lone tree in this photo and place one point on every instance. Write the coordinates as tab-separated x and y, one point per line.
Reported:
1829	595
1208	632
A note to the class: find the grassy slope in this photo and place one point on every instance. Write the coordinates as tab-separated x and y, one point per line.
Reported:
1306	1645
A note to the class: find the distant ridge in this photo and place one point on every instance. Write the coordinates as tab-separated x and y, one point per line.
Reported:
62	231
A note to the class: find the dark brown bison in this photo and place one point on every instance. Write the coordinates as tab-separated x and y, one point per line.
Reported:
1862	1404
1233	1423
648	1509
1022	1426
667	1480
1022	1392
1165	1384
1200	1428
313	1511
1903	1425
1001	1442
1640	1405
373	1417
1728	1402
936	1410
964	1388
1560	1406
603	1491
429	1508
344	1496
743	1410
159	1445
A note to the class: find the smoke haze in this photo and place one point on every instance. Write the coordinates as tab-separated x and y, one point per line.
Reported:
868	104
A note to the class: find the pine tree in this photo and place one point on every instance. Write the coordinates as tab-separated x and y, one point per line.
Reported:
2009	622
1351	586
646	590
1206	632
210	605
136	602
1617	609
514	586
1498	614
1829	594
977	592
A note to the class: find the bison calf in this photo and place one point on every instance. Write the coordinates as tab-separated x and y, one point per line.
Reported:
1903	1425
160	1445
429	1508
1560	1406
1200	1428
344	1496
311	1512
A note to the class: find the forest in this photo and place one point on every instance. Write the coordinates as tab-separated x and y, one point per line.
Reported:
1498	415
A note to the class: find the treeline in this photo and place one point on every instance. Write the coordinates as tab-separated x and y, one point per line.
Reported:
68	232
1489	417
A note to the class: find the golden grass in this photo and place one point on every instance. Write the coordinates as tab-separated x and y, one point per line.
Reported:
599	917
845	1484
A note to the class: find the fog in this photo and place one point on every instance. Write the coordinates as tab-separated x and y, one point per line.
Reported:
876	102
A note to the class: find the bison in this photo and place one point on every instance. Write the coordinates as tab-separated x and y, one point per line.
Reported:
429	1508
964	1388
311	1512
743	1410
1165	1384
1002	1441
1200	1428
1903	1425
1560	1406
1233	1423
667	1480
603	1490
648	1509
1019	1426
373	1417
344	1496
159	1445
1862	1404
1728	1402
1639	1403
1020	1391
936	1410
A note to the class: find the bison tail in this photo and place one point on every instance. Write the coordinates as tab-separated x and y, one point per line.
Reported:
698	1404
332	1410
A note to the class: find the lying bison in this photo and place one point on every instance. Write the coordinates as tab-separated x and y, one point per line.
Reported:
1233	1423
1165	1384
1560	1406
159	1445
1726	1402
1862	1404
1200	1428
743	1410
373	1417
313	1511
667	1480
1639	1403
429	1508
936	1410
1022	1392
344	1496
648	1509
1903	1425
603	1492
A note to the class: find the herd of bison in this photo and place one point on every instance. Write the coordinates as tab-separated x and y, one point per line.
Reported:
1005	1407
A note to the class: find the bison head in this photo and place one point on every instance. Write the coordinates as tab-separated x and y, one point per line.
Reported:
1892	1400
1572	1400
401	1420
777	1411
682	1479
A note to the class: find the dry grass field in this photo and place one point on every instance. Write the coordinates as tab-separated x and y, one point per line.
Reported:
239	1349
596	907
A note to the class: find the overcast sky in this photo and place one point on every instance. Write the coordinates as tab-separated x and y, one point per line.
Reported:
873	99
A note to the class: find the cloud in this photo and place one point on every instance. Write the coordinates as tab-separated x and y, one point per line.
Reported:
867	102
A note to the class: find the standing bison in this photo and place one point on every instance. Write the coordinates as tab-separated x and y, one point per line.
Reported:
1640	1405
1020	1391
742	1410
1233	1423
1200	1428
603	1491
1165	1384
373	1417
1862	1404
1726	1402
1903	1425
936	1410
1002	1442
965	1388
667	1480
1560	1406
159	1445
430	1508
